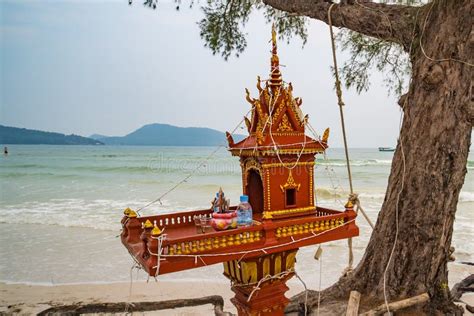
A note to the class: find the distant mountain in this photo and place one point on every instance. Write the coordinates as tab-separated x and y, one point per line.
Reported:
97	136
14	135
169	135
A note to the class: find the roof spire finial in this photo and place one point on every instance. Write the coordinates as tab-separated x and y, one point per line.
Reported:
274	40
275	74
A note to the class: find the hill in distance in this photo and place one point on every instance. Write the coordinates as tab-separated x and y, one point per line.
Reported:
15	135
97	136
169	135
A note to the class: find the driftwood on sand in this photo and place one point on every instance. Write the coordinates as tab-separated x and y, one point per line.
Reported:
353	304
123	307
395	306
466	285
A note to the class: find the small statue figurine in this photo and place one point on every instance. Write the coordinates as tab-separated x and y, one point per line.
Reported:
220	204
222	217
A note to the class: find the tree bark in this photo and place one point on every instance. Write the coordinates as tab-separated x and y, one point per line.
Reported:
392	23
429	164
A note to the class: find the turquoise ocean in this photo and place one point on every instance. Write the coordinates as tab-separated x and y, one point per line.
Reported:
61	207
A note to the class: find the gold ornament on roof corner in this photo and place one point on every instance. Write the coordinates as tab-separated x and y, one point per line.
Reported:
325	136
290	183
248	98
156	231
259	84
349	205
248	124
127	211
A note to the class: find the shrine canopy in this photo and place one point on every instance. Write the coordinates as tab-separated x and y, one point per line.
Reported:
277	124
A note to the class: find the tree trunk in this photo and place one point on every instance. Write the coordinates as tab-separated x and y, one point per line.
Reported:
428	167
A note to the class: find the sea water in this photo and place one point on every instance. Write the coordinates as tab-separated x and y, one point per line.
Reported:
61	207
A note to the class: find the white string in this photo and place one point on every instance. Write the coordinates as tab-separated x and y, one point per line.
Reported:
320	278
276	146
266	278
201	164
280	145
305	294
160	239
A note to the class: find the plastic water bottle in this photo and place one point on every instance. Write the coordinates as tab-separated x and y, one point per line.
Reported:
244	212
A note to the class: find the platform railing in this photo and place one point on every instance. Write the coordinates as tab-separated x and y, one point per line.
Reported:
254	235
184	248
175	220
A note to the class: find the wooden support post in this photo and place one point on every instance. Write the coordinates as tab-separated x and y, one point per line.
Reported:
353	304
395	306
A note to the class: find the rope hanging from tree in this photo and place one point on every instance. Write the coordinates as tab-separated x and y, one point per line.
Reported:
353	198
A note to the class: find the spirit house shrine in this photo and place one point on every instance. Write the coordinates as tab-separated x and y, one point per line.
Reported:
277	161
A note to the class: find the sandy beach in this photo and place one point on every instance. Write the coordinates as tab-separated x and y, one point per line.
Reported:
31	299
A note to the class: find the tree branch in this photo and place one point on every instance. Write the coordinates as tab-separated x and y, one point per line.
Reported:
384	21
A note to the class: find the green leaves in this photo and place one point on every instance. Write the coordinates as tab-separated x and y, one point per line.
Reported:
365	54
224	21
222	24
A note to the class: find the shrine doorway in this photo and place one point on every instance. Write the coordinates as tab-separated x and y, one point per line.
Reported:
255	191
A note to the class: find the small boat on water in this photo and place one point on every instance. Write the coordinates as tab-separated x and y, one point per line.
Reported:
386	149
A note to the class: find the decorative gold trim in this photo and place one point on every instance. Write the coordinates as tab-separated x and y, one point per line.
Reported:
268	190
288	164
249	272
311	190
252	163
267	215
256	153
285	125
308	227
290	260
290	183
213	243
278	111
294	133
292	210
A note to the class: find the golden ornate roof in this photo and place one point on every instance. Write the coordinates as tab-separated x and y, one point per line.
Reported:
276	117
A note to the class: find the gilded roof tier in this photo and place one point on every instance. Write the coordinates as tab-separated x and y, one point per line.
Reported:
276	122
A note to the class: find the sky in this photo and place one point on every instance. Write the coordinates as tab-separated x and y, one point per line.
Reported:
104	67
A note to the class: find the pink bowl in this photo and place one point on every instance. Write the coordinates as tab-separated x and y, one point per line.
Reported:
223	221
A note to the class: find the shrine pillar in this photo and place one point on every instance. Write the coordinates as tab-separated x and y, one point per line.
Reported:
259	283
